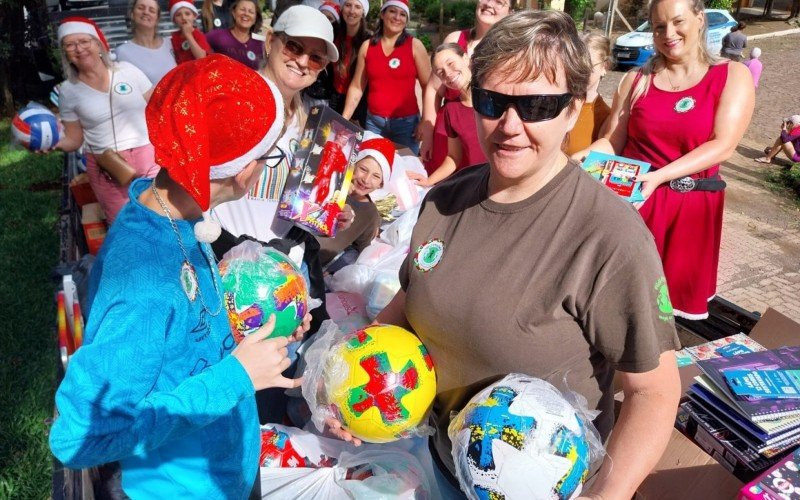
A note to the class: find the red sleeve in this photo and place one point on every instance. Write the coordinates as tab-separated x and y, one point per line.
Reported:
201	41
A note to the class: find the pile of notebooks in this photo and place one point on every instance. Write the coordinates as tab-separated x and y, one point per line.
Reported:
744	408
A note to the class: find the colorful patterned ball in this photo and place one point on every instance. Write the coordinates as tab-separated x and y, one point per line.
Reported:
520	439
255	288
380	382
36	127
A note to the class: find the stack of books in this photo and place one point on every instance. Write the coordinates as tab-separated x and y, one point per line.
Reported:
746	407
781	482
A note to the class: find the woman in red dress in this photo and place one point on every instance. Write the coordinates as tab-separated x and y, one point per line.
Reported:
684	111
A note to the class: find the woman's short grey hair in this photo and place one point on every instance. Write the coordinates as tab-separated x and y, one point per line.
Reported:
526	45
71	72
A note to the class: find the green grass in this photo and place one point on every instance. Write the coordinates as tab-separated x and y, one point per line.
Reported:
29	199
787	178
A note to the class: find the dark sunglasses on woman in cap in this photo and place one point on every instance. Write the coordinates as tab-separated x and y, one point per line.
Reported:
530	108
294	49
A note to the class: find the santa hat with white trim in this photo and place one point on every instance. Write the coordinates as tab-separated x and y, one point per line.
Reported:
332	8
208	119
381	150
81	25
176	5
400	4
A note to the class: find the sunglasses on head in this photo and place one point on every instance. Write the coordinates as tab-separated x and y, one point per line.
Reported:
530	108
293	48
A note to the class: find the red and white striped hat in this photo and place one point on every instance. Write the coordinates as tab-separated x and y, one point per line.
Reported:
331	7
176	5
381	150
400	4
81	25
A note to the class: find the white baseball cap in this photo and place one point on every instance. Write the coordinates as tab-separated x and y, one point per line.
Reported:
302	20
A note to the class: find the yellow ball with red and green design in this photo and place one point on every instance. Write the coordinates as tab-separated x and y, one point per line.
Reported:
380	382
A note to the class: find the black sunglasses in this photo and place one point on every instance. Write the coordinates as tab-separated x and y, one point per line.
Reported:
274	159
530	108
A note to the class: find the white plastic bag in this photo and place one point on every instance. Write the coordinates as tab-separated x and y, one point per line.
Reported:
299	465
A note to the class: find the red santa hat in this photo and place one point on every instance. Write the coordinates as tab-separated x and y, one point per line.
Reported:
332	8
381	150
400	4
176	5
208	119
81	25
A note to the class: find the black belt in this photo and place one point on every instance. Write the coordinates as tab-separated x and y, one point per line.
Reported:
686	184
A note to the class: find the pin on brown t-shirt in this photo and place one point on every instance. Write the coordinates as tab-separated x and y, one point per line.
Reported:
565	285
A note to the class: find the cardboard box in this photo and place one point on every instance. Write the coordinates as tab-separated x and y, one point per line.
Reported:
320	173
81	190
94	226
687	471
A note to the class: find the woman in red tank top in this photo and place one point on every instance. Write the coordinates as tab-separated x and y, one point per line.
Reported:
434	136
390	63
685	112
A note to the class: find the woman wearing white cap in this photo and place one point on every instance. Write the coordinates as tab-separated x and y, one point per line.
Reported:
102	104
299	47
351	33
147	50
390	63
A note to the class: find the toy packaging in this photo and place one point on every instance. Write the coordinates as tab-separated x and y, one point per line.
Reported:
618	173
320	172
781	482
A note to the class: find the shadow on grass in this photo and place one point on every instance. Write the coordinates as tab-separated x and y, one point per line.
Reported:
29	200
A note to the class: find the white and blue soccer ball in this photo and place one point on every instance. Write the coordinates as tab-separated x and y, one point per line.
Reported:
36	127
519	439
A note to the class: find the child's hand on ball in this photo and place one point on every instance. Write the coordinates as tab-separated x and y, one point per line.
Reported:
335	428
301	330
264	359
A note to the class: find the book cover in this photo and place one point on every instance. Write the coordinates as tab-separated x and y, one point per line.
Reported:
764	383
780	482
321	171
767	430
775	446
717	437
757	409
732	345
617	172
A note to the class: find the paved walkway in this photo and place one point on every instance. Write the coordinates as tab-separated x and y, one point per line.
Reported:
760	254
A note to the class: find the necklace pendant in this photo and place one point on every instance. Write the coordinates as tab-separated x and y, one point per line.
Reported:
189	280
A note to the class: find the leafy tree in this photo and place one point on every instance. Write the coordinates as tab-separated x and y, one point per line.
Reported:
24	45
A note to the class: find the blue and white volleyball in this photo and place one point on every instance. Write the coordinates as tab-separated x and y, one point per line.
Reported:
36	127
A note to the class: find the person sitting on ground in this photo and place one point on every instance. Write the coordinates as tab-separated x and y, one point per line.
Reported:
734	43
160	384
755	65
788	142
146	50
451	66
188	43
372	171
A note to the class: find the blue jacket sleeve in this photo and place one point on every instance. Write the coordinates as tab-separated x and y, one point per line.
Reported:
119	397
